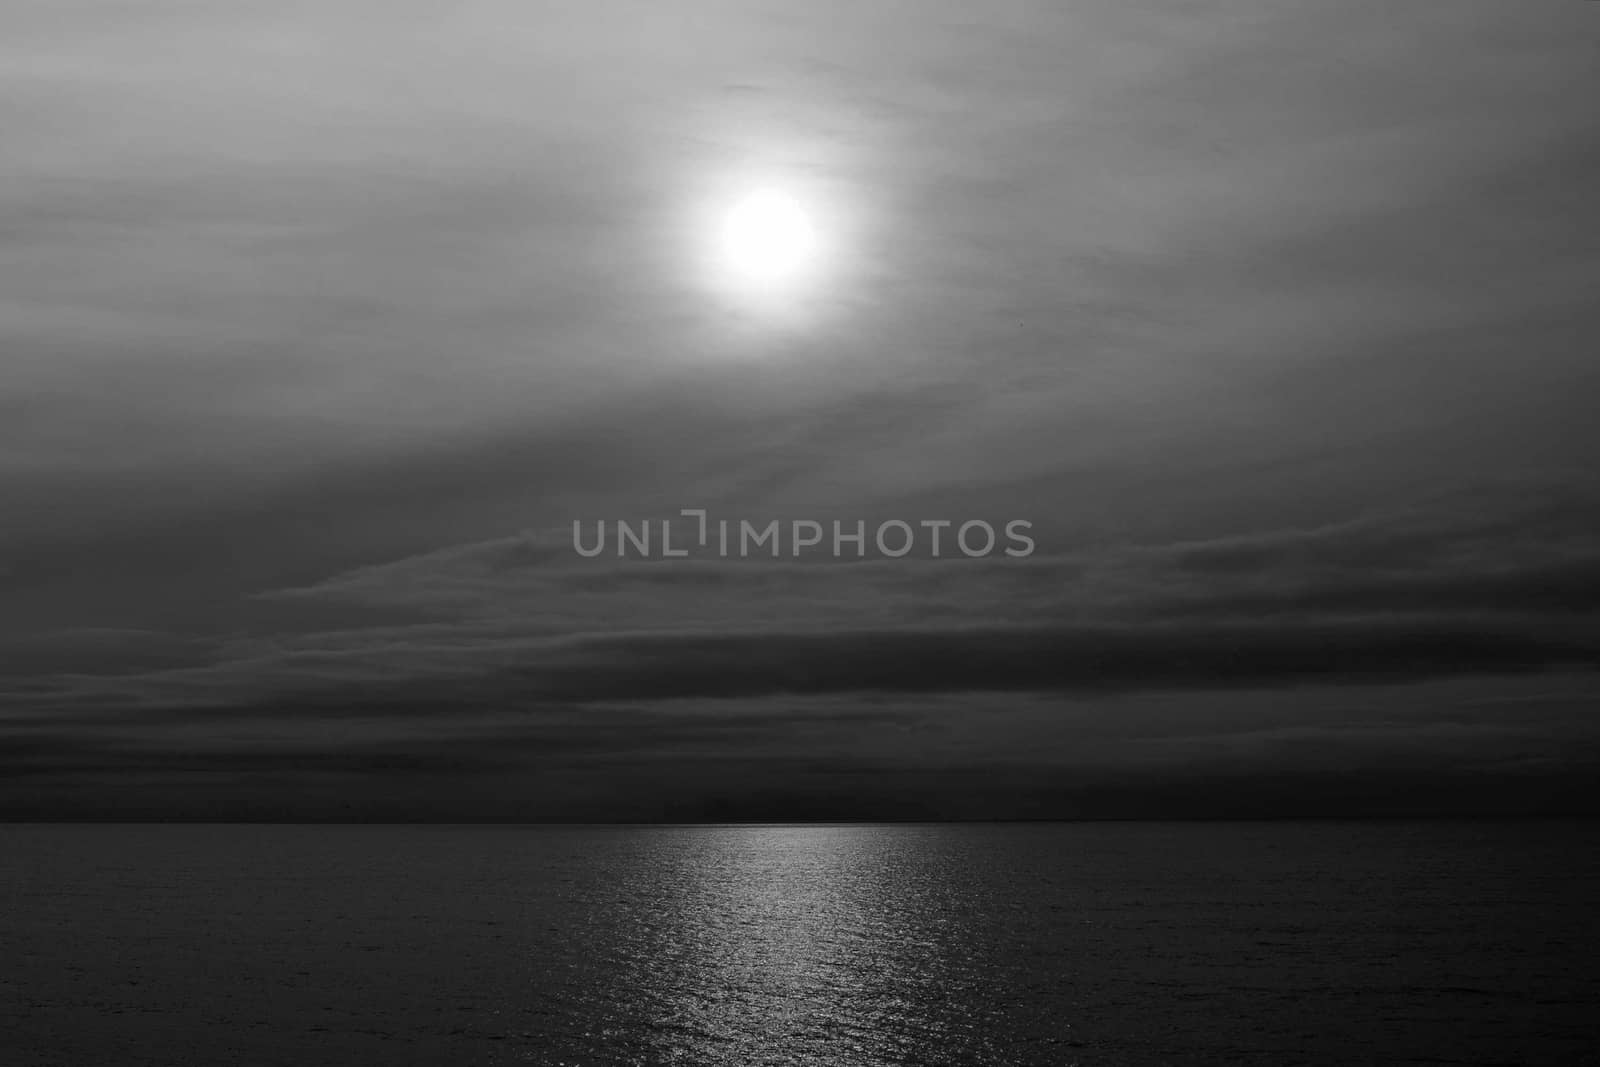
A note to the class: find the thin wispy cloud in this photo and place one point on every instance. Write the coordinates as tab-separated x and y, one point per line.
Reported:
321	326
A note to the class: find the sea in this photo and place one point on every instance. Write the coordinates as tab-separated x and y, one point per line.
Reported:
1272	943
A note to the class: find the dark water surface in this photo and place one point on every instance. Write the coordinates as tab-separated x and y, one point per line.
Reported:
1267	943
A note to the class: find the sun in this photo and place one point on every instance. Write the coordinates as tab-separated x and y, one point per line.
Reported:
768	238
767	249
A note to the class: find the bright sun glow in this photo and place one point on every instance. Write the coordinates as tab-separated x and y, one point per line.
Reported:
767	249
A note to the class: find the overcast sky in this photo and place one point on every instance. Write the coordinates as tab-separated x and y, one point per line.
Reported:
321	322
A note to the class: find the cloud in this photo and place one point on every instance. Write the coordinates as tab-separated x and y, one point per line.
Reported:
831	757
1405	596
1280	338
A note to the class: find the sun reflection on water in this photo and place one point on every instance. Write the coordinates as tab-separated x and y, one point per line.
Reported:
793	939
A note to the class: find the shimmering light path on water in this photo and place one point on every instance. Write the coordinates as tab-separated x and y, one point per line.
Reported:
1083	944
